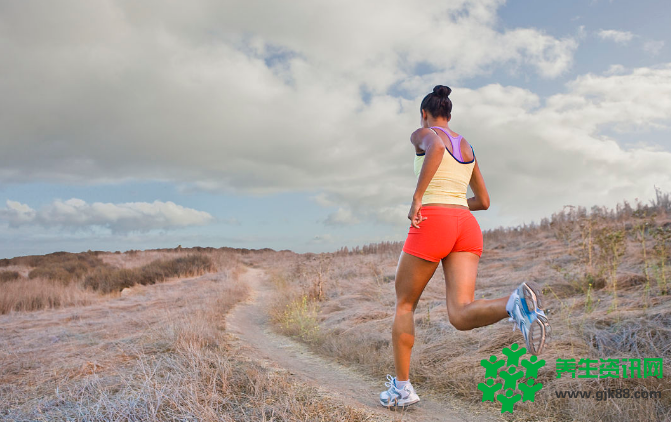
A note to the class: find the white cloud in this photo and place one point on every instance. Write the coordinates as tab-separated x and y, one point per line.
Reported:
17	213
343	216
615	69
119	218
225	96
321	199
395	214
620	37
653	47
538	156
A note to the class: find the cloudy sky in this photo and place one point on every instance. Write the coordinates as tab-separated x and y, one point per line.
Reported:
286	124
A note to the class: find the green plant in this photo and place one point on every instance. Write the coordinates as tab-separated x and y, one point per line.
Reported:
589	303
321	272
662	236
586	225
300	318
611	249
641	230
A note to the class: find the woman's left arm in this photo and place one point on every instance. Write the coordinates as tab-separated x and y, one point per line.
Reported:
481	199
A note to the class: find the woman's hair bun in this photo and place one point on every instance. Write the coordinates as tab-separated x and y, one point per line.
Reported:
442	90
437	103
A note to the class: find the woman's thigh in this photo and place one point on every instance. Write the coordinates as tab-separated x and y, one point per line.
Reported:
461	270
412	276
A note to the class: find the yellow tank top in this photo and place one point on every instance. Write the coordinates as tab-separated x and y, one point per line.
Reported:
450	183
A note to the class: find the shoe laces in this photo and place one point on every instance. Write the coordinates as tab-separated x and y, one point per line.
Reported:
391	385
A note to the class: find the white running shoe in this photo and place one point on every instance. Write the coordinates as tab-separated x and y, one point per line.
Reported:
397	397
525	307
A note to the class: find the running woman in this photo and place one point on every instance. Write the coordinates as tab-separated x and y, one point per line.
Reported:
443	229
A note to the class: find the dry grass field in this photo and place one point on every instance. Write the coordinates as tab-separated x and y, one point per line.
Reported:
142	335
605	275
156	352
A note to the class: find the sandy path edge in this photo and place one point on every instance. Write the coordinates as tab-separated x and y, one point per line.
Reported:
248	321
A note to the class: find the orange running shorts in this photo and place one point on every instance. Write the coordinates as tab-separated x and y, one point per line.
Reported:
445	230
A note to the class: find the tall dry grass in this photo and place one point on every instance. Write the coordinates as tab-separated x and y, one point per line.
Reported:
606	293
40	293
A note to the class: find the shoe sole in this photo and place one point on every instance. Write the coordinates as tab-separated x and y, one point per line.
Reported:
394	406
533	295
537	338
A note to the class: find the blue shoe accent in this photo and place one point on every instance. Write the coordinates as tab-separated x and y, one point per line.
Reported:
527	314
397	397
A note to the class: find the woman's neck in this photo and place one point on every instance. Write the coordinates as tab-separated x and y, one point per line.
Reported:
437	122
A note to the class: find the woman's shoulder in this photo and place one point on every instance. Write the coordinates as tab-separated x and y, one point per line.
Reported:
419	138
466	149
418	134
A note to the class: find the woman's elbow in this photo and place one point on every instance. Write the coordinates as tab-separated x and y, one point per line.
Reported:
485	202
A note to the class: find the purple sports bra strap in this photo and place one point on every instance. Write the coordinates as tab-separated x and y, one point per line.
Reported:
456	143
456	147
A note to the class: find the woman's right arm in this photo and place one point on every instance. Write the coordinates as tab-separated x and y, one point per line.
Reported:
481	199
425	140
434	148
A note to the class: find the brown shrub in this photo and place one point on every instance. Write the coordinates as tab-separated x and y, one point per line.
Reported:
9	276
106	279
61	266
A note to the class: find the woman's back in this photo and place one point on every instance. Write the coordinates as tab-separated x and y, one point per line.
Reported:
450	182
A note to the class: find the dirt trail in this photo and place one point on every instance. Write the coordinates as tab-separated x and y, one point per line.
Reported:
249	322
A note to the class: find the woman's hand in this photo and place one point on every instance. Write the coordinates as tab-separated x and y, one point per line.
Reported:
415	214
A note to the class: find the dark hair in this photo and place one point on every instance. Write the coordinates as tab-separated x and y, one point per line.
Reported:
437	102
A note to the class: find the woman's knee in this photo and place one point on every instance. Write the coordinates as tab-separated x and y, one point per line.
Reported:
460	321
404	306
